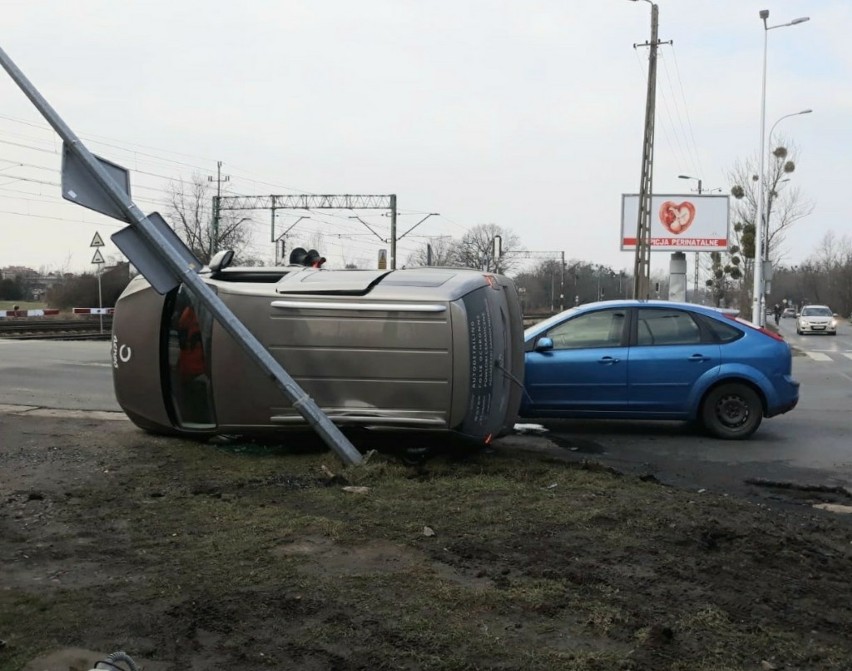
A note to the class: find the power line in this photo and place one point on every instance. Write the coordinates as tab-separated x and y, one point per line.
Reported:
675	151
686	107
52	147
73	221
690	149
672	112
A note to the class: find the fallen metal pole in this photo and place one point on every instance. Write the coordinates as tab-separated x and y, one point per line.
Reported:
188	274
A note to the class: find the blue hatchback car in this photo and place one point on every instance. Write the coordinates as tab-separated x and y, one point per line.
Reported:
633	359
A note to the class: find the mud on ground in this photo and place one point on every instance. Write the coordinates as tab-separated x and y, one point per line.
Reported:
237	554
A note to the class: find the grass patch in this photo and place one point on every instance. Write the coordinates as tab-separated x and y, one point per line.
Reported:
494	561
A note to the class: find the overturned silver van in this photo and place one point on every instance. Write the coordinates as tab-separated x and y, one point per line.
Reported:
422	348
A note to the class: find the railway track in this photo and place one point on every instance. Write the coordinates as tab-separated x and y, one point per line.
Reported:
54	329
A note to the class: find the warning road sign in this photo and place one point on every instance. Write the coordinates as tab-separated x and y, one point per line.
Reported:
98	257
97	241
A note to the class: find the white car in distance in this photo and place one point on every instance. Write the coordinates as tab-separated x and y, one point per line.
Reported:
816	319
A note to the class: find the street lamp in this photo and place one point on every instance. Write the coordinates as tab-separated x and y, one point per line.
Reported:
767	210
757	314
695	289
786	116
697	179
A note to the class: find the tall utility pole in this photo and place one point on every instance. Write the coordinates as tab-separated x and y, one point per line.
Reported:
214	243
393	231
642	262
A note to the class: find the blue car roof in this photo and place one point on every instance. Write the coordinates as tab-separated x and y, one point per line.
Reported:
711	311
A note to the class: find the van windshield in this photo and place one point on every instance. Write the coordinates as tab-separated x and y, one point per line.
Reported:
190	327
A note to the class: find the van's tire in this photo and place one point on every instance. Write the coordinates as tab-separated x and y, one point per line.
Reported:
732	411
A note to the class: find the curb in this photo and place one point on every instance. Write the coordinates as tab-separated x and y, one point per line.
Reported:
61	413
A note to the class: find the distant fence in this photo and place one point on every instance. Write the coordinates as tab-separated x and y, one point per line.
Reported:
53	312
21	314
93	311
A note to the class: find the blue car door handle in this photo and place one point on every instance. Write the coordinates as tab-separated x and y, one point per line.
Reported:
699	357
608	360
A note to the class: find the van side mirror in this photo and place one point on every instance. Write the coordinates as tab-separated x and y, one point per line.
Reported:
221	260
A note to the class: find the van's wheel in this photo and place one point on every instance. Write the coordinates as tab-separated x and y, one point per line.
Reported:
732	411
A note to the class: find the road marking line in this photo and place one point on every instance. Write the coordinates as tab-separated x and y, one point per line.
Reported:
818	356
847	355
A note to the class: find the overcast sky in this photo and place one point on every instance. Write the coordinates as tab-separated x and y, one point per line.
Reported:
525	114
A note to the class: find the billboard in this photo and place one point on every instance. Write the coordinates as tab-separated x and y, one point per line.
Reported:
679	223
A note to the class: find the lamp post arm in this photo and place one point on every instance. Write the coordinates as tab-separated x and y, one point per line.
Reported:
370	228
431	214
772	130
786	116
291	227
794	22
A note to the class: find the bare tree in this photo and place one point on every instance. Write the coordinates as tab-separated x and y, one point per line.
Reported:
785	205
476	249
827	273
189	206
443	253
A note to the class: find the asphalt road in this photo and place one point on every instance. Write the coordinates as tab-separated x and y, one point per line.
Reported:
73	375
808	446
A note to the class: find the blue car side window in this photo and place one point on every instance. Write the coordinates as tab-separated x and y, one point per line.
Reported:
667	327
603	328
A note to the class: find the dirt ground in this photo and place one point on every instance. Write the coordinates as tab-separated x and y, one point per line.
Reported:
238	554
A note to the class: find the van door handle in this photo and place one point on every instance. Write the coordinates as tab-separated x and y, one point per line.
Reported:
608	360
699	357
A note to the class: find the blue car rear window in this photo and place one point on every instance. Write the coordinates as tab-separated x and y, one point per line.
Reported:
721	331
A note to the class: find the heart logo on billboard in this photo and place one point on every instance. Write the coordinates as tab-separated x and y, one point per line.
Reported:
677	217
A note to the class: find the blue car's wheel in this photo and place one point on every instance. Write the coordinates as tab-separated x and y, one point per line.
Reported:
732	411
